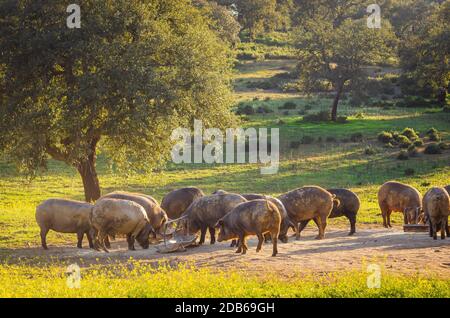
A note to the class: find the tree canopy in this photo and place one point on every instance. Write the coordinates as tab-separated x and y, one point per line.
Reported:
133	71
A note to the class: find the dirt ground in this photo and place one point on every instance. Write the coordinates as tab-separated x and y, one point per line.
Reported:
392	249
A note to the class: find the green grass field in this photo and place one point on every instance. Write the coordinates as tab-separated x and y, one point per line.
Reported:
328	164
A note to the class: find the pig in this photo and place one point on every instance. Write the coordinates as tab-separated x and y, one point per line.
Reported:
255	217
348	206
64	216
306	203
156	215
220	192
285	222
177	201
398	197
436	206
116	216
204	213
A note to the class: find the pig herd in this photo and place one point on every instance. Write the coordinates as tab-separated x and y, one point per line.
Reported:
236	216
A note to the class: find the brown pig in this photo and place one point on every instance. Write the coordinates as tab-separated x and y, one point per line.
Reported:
436	206
177	201
447	188
64	216
115	216
306	203
256	217
204	213
398	197
348	206
156	215
285	222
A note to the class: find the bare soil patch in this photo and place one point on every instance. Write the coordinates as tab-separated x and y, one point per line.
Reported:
392	249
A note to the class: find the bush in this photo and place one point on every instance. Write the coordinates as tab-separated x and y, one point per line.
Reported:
403	141
286	113
356	137
444	146
369	151
389	145
403	155
302	112
308	107
245	110
412	150
433	149
341	119
409	172
280	122
434	137
410	133
306	140
288	105
264	110
418	143
318	117
294	144
446	109
385	137
359	115
330	139
432	131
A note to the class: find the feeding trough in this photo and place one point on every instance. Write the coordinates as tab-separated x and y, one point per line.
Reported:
416	228
175	236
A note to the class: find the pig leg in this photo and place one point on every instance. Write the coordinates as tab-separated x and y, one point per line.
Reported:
321	225
130	241
202	235
267	238
101	240
302	226
80	236
212	233
260	241
352	219
275	245
234	243
44	232
405	217
443	228
434	226
389	219
239	243
447	230
384	212
89	237
107	243
244	245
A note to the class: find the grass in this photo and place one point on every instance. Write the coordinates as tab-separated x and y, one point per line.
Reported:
134	279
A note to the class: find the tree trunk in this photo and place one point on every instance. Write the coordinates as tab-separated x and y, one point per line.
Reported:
90	180
340	88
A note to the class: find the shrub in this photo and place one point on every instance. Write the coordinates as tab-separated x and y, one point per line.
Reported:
356	137
245	110
409	172
318	117
330	139
288	105
434	137
410	133
345	140
418	143
308	107
412	150
341	119
369	151
264	109
432	131
302	112
389	145
444	146
385	137
446	109
433	149
403	155
280	121
306	140
294	144
359	115
403	141
286	113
